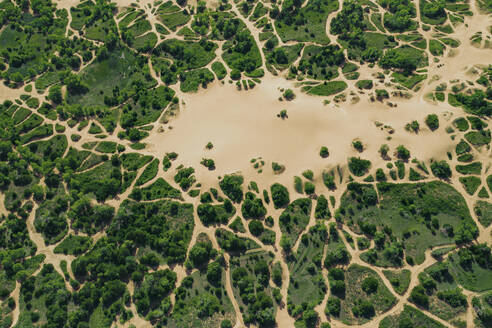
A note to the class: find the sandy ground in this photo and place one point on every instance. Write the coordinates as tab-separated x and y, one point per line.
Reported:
243	125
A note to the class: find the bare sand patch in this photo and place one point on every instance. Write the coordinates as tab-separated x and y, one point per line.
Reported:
243	125
7	93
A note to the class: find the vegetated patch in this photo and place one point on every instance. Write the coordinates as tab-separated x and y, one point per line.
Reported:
420	215
400	280
363	296
160	188
410	316
73	245
483	211
478	138
326	88
307	284
148	173
295	218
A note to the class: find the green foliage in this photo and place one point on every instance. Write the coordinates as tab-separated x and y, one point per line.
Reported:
412	208
295	218
441	169
231	186
483	211
215	214
327	88
73	245
280	195
358	166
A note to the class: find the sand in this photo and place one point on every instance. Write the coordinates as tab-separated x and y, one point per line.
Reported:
243	125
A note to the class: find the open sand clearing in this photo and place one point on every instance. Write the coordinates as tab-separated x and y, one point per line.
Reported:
7	93
244	125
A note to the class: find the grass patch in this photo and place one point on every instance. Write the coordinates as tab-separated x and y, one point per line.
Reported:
73	245
149	173
327	88
408	210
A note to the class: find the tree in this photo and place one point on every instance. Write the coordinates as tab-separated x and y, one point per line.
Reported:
432	122
55	94
370	285
324	152
402	153
441	169
358	166
256	227
280	195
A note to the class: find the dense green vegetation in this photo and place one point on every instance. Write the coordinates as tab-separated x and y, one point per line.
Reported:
96	231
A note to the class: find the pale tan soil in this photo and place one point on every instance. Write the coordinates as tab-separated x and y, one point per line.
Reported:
8	93
243	125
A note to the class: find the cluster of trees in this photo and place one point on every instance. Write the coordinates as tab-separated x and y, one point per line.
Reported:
231	187
400	15
251	286
215	214
395	58
47	292
163	226
358	166
325	60
478	103
349	24
252	207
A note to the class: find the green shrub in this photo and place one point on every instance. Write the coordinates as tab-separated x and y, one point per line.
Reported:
432	122
280	195
364	84
441	169
231	187
323	152
289	94
358	167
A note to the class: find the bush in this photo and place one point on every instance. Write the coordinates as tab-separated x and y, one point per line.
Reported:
289	94
231	186
402	153
441	169
324	152
226	324
358	166
432	122
309	188
208	163
280	195
358	145
370	285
